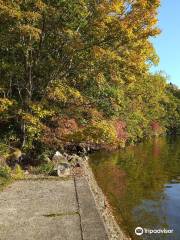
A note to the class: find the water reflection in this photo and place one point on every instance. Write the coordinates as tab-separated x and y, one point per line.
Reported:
142	184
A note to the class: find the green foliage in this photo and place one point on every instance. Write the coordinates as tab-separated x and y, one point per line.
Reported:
64	94
101	132
44	157
7	175
172	108
79	59
17	173
5	172
45	168
137	124
3	149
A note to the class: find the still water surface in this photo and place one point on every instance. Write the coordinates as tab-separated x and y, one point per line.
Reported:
142	184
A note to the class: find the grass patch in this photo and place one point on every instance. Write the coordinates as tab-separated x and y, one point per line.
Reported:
8	175
4	182
46	169
5	176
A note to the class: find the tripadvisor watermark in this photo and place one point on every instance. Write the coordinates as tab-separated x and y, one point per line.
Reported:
139	231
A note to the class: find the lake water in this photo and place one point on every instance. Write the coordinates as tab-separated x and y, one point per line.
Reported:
142	184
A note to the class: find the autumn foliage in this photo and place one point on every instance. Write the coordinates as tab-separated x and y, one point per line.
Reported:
79	71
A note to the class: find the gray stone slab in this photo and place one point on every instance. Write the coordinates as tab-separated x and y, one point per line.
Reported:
91	222
49	210
39	210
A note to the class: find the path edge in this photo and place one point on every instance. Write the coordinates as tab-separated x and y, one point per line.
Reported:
113	230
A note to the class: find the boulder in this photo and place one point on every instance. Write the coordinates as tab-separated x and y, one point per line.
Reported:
85	158
75	160
62	170
59	158
67	157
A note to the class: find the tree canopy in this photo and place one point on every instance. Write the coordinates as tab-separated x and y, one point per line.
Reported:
79	71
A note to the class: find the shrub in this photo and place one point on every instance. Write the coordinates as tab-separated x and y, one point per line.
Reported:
120	128
17	173
101	132
156	128
46	168
58	131
5	172
3	150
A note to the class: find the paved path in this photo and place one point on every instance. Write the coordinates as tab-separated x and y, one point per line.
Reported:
49	210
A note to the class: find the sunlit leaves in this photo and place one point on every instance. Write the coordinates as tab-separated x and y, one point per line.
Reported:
91	59
64	94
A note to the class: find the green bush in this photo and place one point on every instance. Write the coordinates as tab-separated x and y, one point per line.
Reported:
3	148
5	176
101	132
5	172
17	173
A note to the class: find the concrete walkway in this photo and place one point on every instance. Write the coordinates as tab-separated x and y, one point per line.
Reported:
49	210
